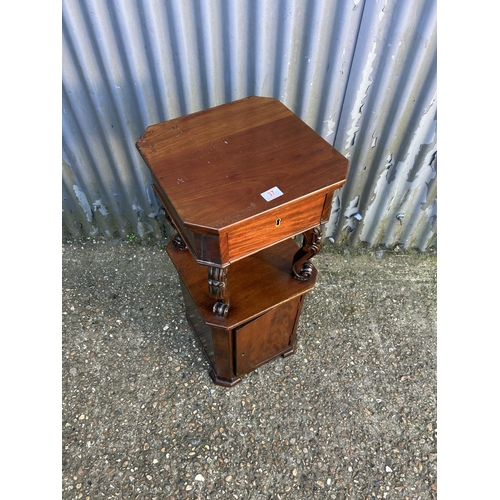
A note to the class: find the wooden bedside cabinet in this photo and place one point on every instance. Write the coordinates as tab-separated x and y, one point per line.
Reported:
238	182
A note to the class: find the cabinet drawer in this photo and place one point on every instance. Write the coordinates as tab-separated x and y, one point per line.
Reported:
275	225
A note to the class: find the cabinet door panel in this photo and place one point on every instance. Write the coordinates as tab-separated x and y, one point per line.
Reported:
266	337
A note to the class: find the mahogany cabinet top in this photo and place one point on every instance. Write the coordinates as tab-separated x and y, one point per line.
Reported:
238	160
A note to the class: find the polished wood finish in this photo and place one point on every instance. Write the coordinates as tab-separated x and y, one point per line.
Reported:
237	183
256	283
217	286
312	244
210	168
275	225
264	316
272	334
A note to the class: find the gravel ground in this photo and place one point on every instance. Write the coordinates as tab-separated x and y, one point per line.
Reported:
351	415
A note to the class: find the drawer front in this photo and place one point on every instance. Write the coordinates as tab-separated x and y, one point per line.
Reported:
276	225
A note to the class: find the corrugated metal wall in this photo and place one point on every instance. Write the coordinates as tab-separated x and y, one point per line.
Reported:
362	73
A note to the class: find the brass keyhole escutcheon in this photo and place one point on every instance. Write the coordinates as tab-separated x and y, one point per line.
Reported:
278	222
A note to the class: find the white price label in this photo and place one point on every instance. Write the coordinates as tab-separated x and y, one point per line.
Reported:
272	193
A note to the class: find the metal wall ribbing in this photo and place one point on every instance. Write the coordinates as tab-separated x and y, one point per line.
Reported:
361	73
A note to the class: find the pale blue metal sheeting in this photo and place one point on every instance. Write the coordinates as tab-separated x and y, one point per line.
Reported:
361	73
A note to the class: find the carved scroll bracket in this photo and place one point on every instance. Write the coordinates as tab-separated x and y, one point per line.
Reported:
217	286
312	244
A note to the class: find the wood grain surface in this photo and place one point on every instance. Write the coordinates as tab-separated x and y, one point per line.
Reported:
213	165
256	284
